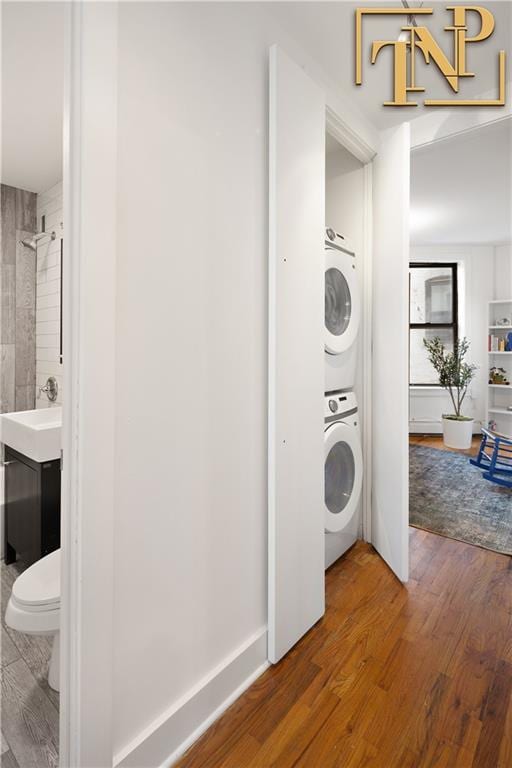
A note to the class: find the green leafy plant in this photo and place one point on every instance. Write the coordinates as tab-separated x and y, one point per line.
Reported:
455	375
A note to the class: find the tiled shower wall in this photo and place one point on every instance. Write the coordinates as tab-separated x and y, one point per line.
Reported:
17	301
48	363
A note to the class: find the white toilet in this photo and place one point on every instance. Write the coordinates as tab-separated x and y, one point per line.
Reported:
34	606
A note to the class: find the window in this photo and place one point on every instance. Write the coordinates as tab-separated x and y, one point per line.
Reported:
432	312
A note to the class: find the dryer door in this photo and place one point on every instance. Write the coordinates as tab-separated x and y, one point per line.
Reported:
343	470
342	301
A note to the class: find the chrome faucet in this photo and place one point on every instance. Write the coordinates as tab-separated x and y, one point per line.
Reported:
51	388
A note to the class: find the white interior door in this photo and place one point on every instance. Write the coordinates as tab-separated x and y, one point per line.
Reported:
390	459
296	348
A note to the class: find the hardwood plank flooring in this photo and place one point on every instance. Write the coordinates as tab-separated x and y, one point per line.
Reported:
436	441
393	676
30	708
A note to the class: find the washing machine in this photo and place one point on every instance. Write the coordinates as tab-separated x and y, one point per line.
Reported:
343	473
342	312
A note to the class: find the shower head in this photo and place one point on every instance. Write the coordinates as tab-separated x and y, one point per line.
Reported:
31	242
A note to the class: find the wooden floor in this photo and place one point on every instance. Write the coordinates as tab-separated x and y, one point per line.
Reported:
393	676
30	708
436	441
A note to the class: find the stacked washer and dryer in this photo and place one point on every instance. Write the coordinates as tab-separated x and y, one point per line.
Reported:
343	455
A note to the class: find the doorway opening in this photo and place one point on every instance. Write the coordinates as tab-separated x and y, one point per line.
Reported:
344	328
460	337
32	386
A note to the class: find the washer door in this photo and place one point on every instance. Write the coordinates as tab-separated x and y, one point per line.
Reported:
343	470
342	301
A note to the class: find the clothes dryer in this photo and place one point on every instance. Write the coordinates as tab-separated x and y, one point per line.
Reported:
342	312
343	474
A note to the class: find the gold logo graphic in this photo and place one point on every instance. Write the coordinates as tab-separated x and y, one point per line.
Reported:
419	37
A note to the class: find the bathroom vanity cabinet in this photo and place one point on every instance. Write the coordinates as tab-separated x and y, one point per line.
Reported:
32	507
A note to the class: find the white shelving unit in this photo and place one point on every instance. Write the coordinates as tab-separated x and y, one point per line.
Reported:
499	396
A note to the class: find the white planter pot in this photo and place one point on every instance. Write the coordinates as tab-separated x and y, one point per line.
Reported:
457	434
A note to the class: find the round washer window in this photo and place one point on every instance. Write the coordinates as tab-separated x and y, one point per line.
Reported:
339	477
338	302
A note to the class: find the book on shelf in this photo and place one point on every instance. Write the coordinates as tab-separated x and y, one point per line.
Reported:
496	343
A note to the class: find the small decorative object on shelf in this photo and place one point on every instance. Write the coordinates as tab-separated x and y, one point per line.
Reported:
498	376
504	321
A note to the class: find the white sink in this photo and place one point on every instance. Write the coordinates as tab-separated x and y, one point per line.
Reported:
36	434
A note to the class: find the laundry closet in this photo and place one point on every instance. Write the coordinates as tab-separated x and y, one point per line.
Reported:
343	413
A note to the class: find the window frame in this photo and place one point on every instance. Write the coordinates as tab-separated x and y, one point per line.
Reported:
454	325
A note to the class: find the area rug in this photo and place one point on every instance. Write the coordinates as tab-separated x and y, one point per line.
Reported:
447	495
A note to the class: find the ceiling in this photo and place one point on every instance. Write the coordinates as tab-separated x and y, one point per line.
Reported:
461	188
32	73
328	29
32	94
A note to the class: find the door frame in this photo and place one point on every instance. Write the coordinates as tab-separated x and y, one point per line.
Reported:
89	280
343	129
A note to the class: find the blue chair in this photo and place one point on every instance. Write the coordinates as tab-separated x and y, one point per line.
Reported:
495	458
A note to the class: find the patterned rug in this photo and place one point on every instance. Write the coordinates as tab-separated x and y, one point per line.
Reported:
449	496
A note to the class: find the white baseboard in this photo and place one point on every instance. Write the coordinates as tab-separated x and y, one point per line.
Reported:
425	428
168	737
435	427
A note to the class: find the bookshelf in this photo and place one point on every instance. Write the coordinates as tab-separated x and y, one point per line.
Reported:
499	396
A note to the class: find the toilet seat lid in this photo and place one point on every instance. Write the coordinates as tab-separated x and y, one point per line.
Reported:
39	584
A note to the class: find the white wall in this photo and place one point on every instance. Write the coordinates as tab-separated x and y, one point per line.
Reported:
344	190
191	367
503	272
476	287
49	204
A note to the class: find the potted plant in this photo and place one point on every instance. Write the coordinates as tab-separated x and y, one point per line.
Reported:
455	375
